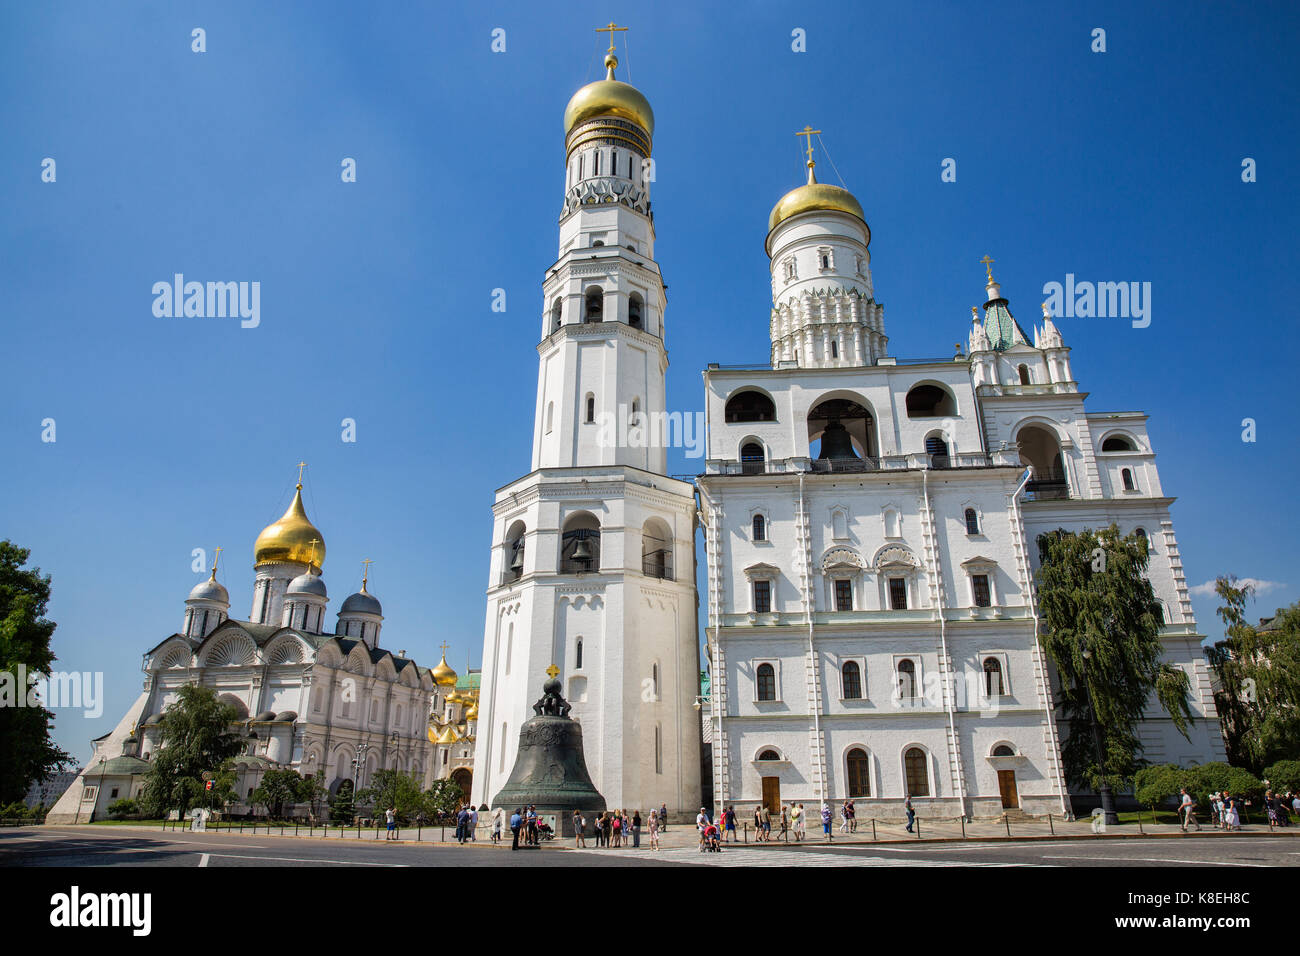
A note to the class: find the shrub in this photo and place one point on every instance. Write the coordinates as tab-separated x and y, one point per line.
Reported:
123	809
1284	775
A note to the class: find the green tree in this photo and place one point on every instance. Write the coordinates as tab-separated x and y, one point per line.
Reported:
313	791
27	754
124	808
277	788
342	806
1094	596
1259	672
196	738
1283	775
443	797
1156	786
1219	776
393	788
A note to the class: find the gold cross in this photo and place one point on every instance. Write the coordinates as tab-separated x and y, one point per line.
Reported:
552	671
611	30
444	650
301	466
313	552
809	132
215	559
987	263
365	572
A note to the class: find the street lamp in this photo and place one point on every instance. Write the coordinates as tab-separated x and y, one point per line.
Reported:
1107	798
99	791
356	772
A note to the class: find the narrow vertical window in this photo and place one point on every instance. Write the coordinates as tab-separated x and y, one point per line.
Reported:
851	677
972	522
577	663
591	408
760	528
843	595
762	597
766	682
1128	479
980	589
898	594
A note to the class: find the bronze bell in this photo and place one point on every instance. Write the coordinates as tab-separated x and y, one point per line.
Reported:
582	551
837	443
517	564
550	771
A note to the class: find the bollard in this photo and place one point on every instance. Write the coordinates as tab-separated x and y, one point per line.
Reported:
1051	826
419	827
1007	820
918	828
873	829
1140	830
963	828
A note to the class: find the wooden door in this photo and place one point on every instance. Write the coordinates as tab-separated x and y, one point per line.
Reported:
1007	787
772	795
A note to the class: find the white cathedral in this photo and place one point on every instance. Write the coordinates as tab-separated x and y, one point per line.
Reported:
869	524
327	703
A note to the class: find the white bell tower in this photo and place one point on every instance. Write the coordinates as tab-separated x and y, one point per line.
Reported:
593	567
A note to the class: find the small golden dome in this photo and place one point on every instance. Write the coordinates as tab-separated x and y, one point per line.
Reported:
472	713
609	97
443	675
448	737
811	197
292	538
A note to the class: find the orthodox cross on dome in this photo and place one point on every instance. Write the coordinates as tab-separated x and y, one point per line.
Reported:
987	263
365	573
611	30
301	466
312	560
444	650
216	558
552	672
809	132
1047	311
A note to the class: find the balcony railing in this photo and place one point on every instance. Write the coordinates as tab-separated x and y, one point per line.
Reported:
827	465
1049	486
916	461
658	564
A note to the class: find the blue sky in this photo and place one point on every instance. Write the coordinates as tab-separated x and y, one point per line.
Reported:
174	434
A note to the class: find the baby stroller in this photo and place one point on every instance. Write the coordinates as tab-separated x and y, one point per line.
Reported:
711	842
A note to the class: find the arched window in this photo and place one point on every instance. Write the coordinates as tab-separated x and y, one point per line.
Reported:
972	521
937	448
580	544
515	549
766	682
769	755
835	349
1002	750
555	315
591	408
751	458
918	774
750	406
992	677
851	676
577	663
1024	375
759	528
634	306
906	679
930	401
859	773
657	550
1117	443
1127	477
594	304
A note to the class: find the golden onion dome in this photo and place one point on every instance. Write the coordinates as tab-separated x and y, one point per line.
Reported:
814	197
443	675
609	97
472	713
291	538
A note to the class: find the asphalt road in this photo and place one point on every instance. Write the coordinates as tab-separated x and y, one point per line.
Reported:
83	846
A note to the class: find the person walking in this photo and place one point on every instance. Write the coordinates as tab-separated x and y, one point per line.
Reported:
498	824
798	815
911	814
636	829
785	823
844	817
390	816
579	824
826	820
462	825
654	829
1187	810
663	818
473	824
765	821
516	821
853	817
1232	813
618	829
701	822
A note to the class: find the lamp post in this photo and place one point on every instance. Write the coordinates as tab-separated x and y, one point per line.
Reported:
1107	798
356	773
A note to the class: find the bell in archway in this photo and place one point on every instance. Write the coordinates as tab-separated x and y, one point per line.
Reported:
837	443
550	771
517	564
582	550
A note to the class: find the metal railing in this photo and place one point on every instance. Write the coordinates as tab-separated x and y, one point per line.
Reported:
658	564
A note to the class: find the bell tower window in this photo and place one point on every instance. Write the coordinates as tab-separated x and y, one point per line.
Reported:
594	304
634	306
